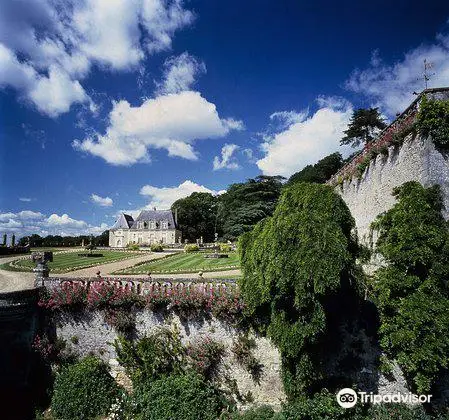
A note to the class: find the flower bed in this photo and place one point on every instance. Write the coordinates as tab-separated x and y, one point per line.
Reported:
188	300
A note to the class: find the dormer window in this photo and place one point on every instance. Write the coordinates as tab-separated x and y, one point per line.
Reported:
145	225
164	224
152	224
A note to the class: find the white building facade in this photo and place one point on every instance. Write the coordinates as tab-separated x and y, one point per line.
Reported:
150	227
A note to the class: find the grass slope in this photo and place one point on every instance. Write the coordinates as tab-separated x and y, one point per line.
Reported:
185	263
71	261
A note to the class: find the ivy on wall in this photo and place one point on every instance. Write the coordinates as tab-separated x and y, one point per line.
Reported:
412	291
433	121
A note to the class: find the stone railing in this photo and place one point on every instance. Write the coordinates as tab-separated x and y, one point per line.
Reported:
385	138
143	285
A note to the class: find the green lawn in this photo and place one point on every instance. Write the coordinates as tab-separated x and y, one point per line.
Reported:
185	263
63	263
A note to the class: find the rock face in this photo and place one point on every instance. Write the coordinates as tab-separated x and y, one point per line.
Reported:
89	333
416	160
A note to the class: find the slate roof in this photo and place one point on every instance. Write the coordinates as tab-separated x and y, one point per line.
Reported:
156	215
124	221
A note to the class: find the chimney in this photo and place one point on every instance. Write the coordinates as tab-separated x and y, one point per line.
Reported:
154	208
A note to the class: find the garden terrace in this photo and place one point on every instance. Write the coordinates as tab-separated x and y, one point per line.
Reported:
185	263
392	135
66	261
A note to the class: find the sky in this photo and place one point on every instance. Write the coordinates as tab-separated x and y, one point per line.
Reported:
120	105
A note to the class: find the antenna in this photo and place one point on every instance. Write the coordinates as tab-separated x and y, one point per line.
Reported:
426	75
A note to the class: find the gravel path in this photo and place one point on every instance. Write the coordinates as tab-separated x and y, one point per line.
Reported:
13	280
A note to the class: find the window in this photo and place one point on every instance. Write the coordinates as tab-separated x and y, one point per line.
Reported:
152	224
164	224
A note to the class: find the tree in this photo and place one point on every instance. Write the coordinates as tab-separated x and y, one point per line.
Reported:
245	204
320	172
298	280
412	291
363	127
197	216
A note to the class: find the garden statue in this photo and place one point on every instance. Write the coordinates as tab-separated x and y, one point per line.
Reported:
41	270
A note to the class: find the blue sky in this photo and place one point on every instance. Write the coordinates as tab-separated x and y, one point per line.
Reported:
119	105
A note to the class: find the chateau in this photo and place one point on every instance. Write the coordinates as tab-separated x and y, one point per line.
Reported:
150	227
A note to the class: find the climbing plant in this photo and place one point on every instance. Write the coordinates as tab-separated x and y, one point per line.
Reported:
412	292
299	278
433	121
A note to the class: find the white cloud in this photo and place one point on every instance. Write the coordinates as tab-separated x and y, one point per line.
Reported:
391	86
163	198
306	141
287	118
171	122
161	18
66	221
227	159
180	73
46	48
101	201
25	199
28	222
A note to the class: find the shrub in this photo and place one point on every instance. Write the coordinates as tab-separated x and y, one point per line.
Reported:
205	356
264	412
160	353
156	248
433	121
178	397
84	390
298	279
191	248
133	247
225	247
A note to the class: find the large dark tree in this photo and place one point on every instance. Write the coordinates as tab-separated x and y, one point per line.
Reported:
364	125
245	204
197	216
298	281
320	172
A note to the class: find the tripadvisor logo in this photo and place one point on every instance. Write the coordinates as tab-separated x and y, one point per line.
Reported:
348	398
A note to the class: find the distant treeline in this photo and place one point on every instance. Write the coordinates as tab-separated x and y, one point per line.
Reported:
57	240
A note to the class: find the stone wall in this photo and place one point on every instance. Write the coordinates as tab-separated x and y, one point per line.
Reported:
89	333
416	160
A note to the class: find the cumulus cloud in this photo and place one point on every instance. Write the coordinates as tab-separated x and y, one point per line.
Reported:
227	160
180	73
163	198
101	201
171	122
391	86
306	141
27	222
46	49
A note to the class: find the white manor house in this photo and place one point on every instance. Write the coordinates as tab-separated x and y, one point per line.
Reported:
150	227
